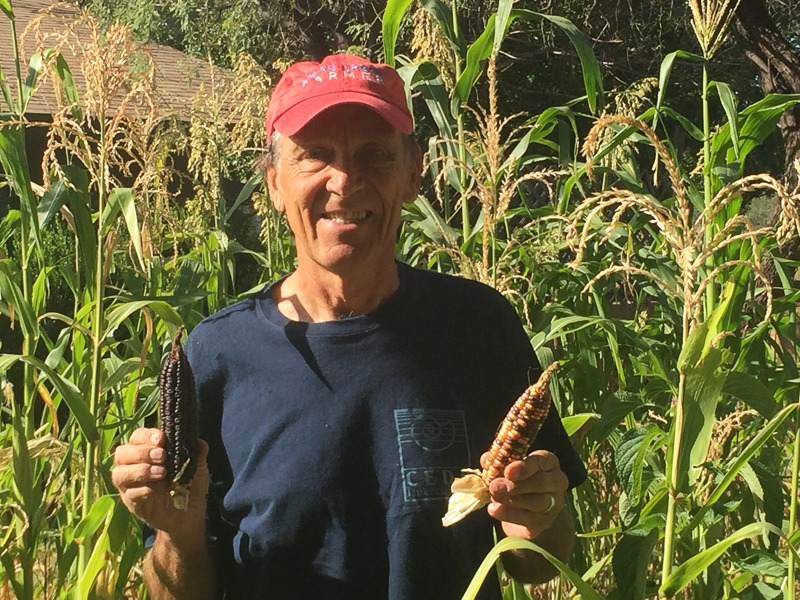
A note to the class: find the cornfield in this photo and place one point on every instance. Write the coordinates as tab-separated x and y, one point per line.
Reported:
669	309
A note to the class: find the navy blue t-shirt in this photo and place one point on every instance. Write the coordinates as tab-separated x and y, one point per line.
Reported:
333	445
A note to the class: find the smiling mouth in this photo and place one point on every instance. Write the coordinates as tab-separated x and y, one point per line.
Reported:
344	216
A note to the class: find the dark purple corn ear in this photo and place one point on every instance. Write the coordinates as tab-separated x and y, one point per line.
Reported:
178	417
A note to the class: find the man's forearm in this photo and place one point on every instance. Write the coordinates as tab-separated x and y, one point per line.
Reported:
179	572
528	566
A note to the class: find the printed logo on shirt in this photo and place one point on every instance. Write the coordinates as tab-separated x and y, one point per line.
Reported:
433	449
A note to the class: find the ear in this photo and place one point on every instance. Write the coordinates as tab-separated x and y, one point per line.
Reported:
272	187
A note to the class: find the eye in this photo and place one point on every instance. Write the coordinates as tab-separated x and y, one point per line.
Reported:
317	154
375	155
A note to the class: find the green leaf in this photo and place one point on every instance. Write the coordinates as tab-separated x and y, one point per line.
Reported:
702	394
684	574
699	342
52	200
35	67
96	516
78	201
728	100
590	68
5	6
6	92
127	205
503	15
68	86
123	310
477	53
447	21
9	226
72	395
584	589
752	392
734	466
631	560
756	123
425	78
573	423
247	190
392	17
14	163
664	74
631	453
11	293
763	564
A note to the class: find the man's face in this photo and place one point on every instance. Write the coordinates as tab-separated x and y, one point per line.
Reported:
341	181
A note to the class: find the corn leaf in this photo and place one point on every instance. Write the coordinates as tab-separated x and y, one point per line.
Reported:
52	200
97	561
684	574
72	395
728	100
702	395
757	122
35	66
752	392
590	68
123	310
70	90
426	79
96	516
663	78
477	53
5	6
14	163
392	17
78	201
444	16
6	92
11	293
573	423
584	589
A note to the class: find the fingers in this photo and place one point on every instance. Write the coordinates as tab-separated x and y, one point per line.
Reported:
530	495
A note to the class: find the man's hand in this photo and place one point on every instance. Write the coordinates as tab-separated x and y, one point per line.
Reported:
528	500
529	496
139	475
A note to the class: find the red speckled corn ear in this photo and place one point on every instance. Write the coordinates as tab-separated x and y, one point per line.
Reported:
178	417
512	442
520	427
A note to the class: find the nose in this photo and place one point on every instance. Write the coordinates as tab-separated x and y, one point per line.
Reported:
344	177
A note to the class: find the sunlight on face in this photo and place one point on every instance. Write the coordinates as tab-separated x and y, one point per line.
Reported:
341	181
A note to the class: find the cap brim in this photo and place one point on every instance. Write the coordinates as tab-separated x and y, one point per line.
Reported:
297	117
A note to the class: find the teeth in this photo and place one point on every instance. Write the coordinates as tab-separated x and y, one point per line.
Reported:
346	216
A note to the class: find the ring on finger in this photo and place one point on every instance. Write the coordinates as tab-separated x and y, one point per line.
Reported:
551	505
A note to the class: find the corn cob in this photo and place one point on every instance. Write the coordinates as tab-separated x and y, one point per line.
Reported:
178	417
512	441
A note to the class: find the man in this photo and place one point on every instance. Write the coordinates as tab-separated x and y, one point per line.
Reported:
339	404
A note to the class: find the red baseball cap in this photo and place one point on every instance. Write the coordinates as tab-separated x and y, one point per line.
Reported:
308	88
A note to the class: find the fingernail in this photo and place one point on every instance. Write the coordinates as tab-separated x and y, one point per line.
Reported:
157	454
157	471
155	438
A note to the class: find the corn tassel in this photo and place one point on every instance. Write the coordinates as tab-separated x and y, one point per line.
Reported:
512	441
178	417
